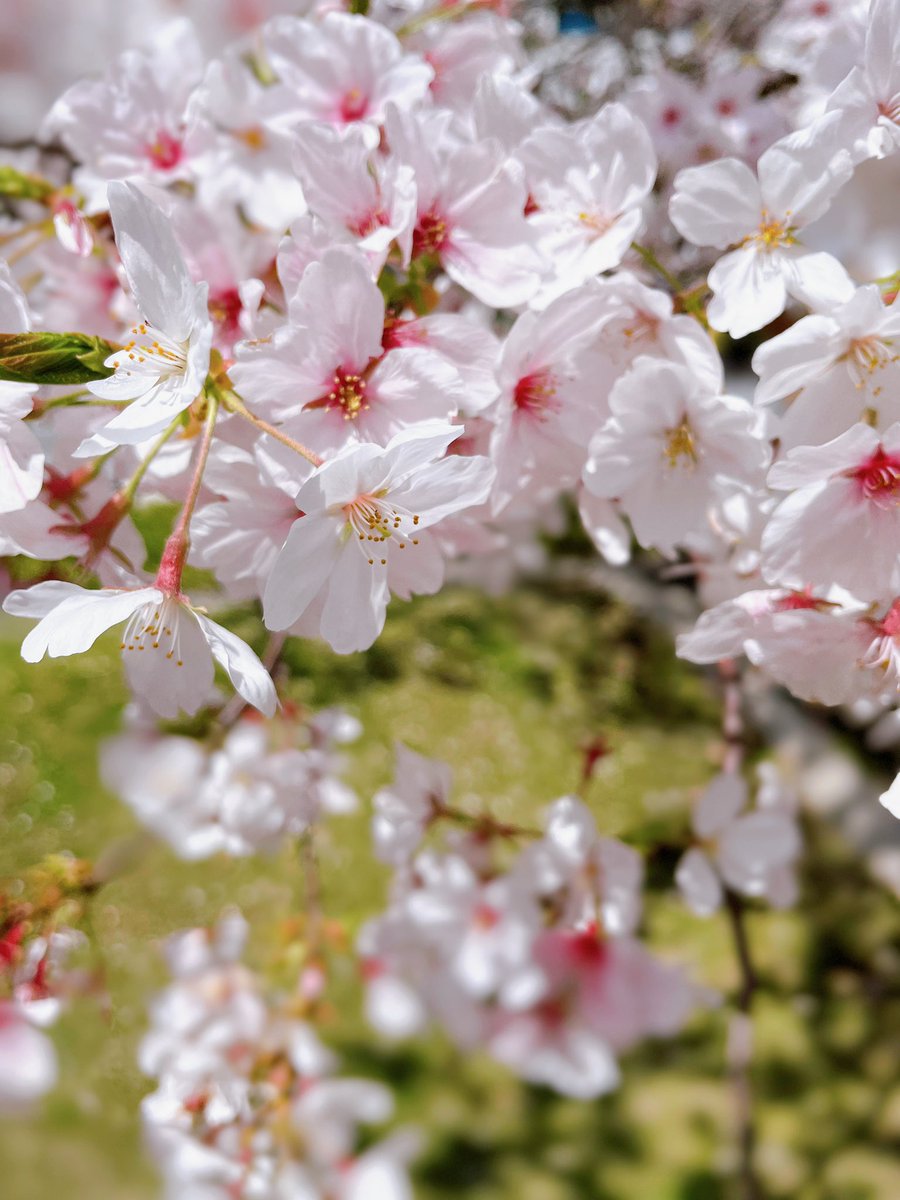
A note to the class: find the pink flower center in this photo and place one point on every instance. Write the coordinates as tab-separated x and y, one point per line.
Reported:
225	309
890	109
430	235
354	105
796	601
347	392
878	478
485	917
535	394
586	949
671	117
366	224
890	626
166	151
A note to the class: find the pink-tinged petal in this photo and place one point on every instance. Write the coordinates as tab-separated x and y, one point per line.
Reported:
75	624
338	300
356	603
717	204
27	1061
409	386
301	569
162	288
698	883
250	678
823	535
805	465
719	805
569	1058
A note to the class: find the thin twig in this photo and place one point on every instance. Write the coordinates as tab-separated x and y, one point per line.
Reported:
740	1030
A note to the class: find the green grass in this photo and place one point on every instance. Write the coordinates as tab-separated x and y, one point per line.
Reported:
508	690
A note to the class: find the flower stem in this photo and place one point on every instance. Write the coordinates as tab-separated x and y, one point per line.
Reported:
135	481
234	404
171	566
650	259
740	1032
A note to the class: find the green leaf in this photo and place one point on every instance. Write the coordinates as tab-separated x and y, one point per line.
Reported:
67	358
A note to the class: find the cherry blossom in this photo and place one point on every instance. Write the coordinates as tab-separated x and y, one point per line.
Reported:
668	449
163	367
361	511
842	502
869	98
168	647
723	204
836	368
749	852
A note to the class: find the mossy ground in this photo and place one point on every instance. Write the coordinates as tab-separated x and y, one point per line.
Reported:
508	690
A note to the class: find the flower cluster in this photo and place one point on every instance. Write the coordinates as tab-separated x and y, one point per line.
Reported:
536	960
364	299
247	1104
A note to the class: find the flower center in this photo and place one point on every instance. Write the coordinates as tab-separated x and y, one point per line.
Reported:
348	393
890	109
366	224
878	479
151	353
535	394
681	444
376	523
254	137
156	627
354	105
166	151
867	355
773	232
596	223
225	308
430	234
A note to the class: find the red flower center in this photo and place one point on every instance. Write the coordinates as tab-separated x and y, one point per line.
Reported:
166	151
878	478
354	105
430	235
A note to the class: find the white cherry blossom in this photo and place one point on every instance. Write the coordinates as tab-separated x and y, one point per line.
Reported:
163	367
168	647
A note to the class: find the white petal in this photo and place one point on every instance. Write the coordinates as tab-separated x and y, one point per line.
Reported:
698	883
76	623
250	678
301	569
159	279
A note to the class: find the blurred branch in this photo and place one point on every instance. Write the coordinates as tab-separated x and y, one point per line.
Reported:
740	1029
